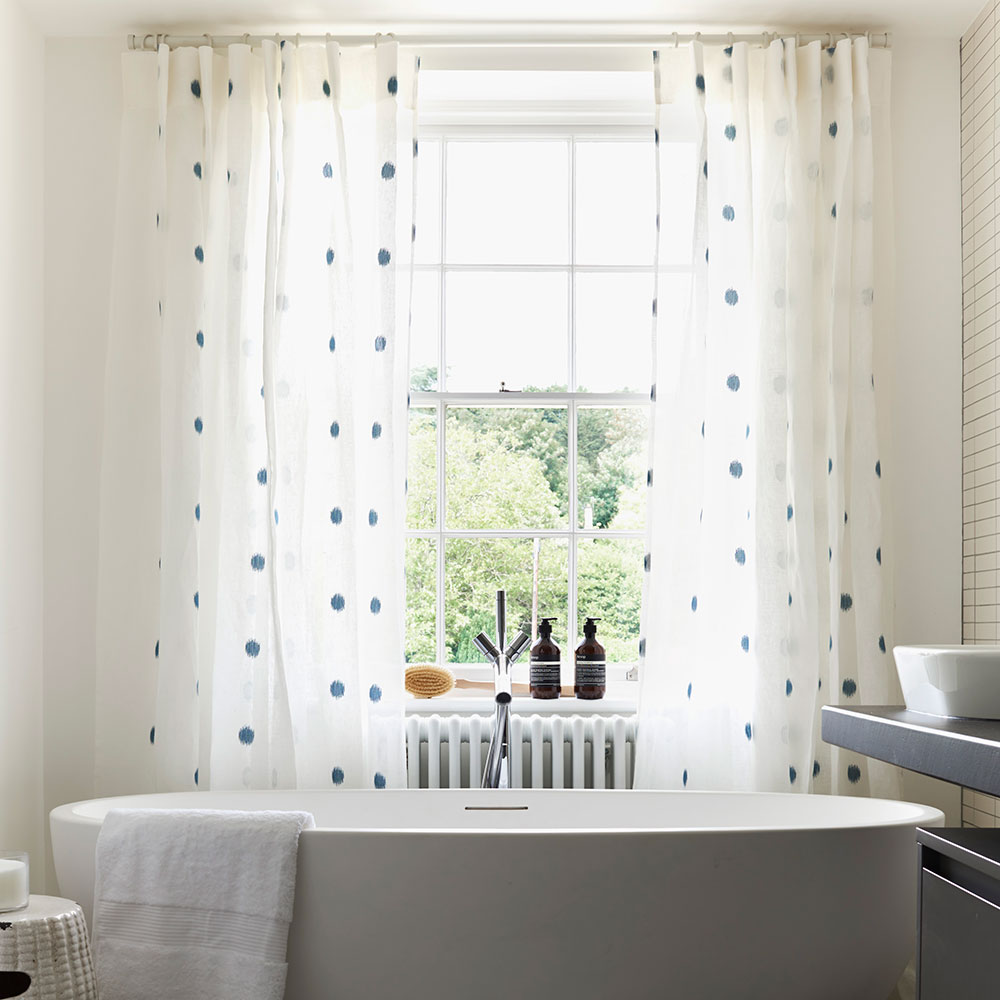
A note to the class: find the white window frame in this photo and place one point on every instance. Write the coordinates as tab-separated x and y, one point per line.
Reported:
498	121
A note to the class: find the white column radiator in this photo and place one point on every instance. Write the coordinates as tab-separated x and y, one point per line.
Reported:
549	751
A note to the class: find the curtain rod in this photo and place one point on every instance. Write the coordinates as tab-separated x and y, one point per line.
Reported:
150	42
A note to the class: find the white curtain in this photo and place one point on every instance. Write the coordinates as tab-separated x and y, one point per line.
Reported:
251	578
766	587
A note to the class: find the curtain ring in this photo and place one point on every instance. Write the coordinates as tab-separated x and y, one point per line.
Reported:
729	38
246	37
829	39
798	39
676	40
298	38
378	35
697	36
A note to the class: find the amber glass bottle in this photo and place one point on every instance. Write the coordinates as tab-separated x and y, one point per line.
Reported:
544	675
591	664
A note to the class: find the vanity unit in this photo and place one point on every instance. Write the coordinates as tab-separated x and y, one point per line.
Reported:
958	869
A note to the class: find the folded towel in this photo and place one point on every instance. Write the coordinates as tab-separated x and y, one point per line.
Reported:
194	904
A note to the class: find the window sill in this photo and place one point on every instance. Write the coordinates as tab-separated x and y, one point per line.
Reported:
622	698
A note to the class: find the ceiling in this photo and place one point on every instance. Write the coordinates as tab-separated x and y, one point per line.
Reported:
102	17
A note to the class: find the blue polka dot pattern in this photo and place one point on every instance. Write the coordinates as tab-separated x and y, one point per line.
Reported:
730	132
380	343
846	602
152	735
337	602
156	649
849	687
833	130
337	689
330	255
699	82
199	254
733	383
878	469
881	643
740	556
816	768
333	344
792	775
197	170
197	511
379	780
732	297
336	515
748	731
373	517
788	688
337	775
335	429
374	694
262	477
326	87
694	603
375	605
200	338
789	511
196	602
376	431
392	86
252	648
198	425
384	257
246	735
257	562
684	778
196	776
196	88
728	213
745	643
689	689
388	171
327	170
736	469
853	773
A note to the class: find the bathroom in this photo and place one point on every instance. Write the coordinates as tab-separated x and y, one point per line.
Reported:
88	674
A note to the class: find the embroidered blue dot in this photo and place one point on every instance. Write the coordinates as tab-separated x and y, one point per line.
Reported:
326	87
689	690
246	736
200	338
375	694
335	429
379	780
375	605
748	729
745	643
788	512
833	210
730	132
337	775
732	297
196	88
380	343
262	477
198	425
699	82
846	602
156	649
728	213
816	768
257	562
829	465
252	648
328	170
740	556
337	689
199	254
197	170
152	735
376	430
337	602
684	777
197	511
388	171
833	130
853	773
878	555
694	603
881	643
788	688
392	86
330	255
792	775
878	469
373	517
736	469
196	602
384	257
336	515
733	383
849	687
196	776
230	88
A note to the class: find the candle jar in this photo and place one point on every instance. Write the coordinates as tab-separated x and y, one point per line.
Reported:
13	880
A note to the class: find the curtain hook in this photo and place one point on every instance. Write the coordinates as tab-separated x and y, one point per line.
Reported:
676	40
246	37
829	39
697	36
298	38
378	35
729	38
327	38
798	39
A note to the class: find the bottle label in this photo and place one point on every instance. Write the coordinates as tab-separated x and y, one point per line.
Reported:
590	672
544	675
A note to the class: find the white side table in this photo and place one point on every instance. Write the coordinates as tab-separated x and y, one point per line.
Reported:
48	943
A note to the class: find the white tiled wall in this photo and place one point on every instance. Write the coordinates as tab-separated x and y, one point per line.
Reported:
981	351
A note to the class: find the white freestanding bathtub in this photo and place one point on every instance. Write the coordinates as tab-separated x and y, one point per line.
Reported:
578	894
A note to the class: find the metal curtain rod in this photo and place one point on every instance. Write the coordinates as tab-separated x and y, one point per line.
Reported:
151	41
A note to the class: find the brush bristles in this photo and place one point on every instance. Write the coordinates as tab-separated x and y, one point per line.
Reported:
428	681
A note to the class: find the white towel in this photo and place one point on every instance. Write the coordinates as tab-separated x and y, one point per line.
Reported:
194	904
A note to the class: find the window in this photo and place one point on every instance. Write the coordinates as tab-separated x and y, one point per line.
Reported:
531	361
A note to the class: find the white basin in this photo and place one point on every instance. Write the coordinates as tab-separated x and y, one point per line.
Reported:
955	681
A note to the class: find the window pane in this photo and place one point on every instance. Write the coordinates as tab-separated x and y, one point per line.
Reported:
609	587
534	574
506	467
507	327
421	600
425	328
611	463
508	202
613	332
421	472
427	248
615	202
679	175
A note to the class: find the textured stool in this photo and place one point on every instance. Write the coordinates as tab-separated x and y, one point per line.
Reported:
47	944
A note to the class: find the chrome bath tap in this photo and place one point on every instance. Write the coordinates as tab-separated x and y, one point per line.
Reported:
497	773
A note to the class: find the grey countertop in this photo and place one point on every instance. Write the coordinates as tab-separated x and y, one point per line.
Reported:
963	751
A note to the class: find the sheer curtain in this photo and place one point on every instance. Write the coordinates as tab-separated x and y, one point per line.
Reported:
251	578
766	588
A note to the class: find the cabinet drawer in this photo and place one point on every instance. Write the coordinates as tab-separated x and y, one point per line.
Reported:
959	942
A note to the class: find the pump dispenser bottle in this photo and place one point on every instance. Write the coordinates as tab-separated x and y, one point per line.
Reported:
591	664
544	669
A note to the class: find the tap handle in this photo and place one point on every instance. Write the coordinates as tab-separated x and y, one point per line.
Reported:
519	643
486	647
501	619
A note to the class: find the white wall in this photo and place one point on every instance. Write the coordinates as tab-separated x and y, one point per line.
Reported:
924	361
22	83
82	112
924	355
